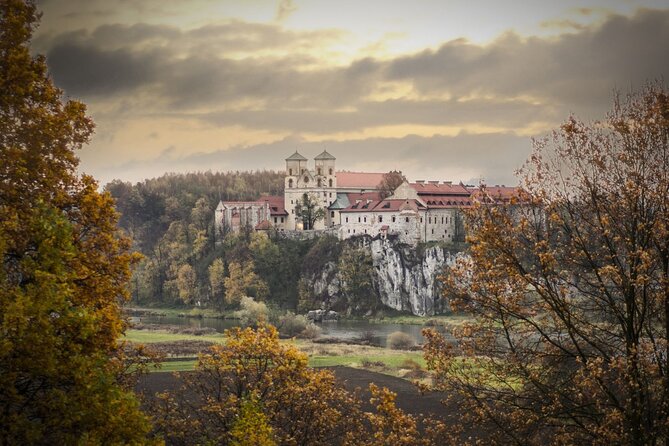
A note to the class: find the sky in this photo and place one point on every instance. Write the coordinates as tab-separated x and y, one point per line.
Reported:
439	89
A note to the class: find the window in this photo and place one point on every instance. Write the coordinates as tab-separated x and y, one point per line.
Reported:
319	171
281	219
380	218
365	231
406	219
292	211
433	231
429	220
393	219
349	231
346	219
358	219
290	184
421	219
276	220
306	179
291	201
354	231
365	219
325	194
330	174
330	181
290	171
330	194
442	220
319	182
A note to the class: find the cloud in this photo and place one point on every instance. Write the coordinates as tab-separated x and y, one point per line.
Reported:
285	8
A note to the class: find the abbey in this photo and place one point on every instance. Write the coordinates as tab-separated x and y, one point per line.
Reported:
350	204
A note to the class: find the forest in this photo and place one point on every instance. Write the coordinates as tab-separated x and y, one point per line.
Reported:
170	221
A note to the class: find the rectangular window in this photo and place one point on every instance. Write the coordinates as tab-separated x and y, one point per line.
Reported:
442	220
433	231
365	231
291	201
332	214
349	231
358	219
393	219
346	219
276	220
421	219
429	220
406	219
365	219
281	219
380	218
292	211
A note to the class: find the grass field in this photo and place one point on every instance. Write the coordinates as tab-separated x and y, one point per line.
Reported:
391	362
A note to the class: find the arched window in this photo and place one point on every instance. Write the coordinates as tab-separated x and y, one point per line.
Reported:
330	181
290	171
290	183
319	182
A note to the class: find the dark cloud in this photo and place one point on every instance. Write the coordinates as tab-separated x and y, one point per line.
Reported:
577	69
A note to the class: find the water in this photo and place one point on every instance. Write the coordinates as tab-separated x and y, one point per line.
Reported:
346	330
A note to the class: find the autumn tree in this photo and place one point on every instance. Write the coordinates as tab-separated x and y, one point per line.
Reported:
254	372
243	281
390	181
217	281
570	287
309	210
356	270
64	268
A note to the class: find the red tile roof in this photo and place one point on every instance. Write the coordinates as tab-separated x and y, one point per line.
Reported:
498	193
276	204
361	180
384	206
440	189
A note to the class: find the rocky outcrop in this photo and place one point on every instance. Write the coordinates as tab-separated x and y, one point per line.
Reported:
405	278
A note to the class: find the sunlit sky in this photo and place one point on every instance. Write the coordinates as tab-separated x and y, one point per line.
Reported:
444	90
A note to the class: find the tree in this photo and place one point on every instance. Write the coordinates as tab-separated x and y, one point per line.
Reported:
391	181
570	287
64	267
300	404
355	274
187	284
243	281
309	210
217	281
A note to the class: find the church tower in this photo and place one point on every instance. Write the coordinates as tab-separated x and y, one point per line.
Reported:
325	170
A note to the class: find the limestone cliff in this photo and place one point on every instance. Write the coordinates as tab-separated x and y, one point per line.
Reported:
405	279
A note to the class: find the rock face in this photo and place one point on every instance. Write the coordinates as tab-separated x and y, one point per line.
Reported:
407	281
404	279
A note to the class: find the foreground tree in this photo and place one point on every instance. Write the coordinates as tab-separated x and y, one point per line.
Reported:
255	390
571	290
64	270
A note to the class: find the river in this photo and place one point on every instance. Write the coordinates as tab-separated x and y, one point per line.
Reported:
346	329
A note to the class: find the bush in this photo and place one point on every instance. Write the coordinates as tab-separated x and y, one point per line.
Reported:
252	312
411	364
399	340
311	331
291	324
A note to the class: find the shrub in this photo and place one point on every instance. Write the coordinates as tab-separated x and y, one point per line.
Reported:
291	324
399	340
252	312
311	331
411	364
